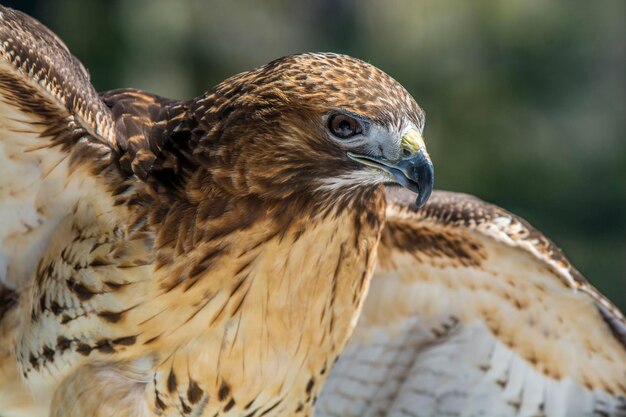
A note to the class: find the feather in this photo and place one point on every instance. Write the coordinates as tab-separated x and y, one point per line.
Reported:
530	335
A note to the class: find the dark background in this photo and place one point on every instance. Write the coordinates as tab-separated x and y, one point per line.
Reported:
525	100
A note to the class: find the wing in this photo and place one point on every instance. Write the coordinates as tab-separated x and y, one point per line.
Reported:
85	180
72	239
473	312
51	122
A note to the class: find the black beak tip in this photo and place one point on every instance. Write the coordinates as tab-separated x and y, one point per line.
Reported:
425	182
423	196
419	176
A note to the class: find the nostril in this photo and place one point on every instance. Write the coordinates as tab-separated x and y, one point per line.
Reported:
406	152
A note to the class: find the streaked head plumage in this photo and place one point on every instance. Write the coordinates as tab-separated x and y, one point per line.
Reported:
284	111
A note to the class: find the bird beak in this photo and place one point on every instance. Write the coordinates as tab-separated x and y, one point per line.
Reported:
414	171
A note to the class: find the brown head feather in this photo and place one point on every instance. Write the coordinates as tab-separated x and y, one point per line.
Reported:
273	114
259	133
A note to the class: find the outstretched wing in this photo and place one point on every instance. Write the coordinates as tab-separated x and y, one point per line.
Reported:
85	180
52	122
64	255
473	312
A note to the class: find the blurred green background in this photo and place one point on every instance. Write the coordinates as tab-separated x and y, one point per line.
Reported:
525	100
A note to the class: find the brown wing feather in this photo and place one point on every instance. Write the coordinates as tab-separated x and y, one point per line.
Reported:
52	123
464	211
57	150
42	76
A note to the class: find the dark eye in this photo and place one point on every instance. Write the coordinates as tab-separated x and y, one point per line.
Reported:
343	126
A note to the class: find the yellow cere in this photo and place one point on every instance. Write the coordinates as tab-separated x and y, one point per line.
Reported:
412	141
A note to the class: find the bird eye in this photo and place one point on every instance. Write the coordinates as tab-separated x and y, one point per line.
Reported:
343	126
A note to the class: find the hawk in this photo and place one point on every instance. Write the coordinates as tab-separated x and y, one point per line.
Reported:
211	257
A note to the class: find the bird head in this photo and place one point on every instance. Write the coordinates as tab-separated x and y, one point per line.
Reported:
318	123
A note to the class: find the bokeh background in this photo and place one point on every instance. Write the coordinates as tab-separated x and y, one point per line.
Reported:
525	99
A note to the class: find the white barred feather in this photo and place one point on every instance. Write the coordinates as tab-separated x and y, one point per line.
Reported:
471	312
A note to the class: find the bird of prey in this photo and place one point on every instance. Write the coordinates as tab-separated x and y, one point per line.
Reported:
212	257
